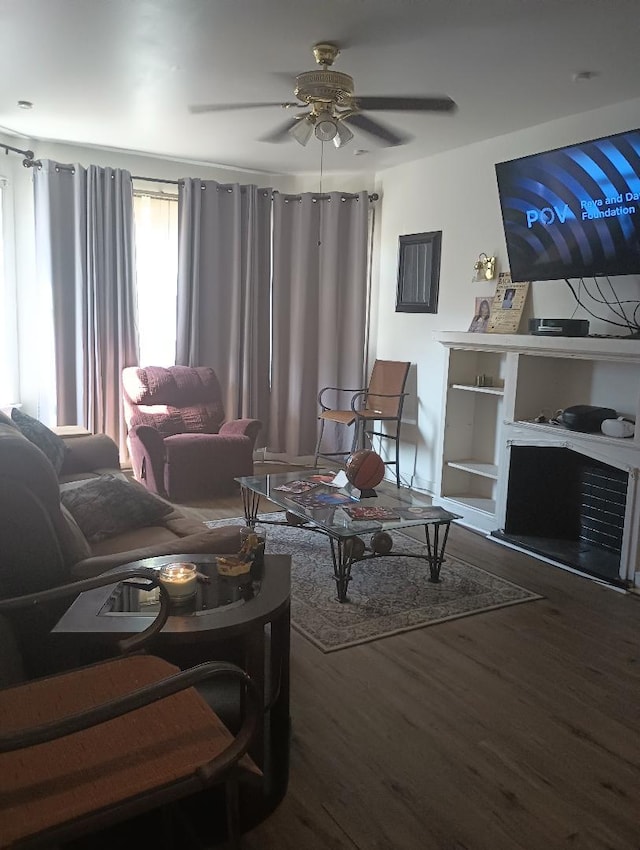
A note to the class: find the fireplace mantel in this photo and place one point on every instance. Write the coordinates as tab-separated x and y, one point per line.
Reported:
604	348
498	385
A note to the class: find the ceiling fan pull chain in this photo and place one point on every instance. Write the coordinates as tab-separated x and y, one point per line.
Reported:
320	194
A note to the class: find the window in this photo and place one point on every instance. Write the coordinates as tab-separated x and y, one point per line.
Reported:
156	236
9	376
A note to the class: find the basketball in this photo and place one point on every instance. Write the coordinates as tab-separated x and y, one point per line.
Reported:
364	469
354	548
381	543
294	519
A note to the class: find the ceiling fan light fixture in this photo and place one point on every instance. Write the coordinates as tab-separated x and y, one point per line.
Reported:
326	127
302	130
343	135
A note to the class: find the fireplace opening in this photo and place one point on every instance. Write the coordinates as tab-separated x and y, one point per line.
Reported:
567	507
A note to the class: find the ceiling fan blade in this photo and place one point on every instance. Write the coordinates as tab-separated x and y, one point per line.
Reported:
391	138
221	107
281	133
415	104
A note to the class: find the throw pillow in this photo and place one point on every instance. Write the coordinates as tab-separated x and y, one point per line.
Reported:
44	438
106	506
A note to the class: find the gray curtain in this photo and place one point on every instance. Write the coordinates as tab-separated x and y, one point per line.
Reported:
319	312
84	250
224	271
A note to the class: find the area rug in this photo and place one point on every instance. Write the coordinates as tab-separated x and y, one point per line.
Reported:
386	595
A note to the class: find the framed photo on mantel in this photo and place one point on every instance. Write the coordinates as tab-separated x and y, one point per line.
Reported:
507	306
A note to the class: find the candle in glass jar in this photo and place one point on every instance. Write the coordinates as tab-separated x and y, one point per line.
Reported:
179	580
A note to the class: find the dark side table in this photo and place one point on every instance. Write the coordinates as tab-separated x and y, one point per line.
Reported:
244	620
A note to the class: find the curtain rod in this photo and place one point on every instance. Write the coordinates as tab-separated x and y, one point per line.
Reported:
29	162
372	197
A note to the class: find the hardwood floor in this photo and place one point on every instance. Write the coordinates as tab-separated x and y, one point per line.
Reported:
516	729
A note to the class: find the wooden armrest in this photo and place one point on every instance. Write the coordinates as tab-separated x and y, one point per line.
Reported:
366	394
340	390
151	580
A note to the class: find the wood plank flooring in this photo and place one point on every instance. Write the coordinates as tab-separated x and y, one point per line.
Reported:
516	729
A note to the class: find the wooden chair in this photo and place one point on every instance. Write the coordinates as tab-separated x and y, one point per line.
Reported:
381	401
89	748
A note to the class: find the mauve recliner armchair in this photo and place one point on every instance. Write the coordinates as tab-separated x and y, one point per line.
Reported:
180	446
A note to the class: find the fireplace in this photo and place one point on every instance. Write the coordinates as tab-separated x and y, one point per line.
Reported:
568	507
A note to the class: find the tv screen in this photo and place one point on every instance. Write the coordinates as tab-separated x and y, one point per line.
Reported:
573	212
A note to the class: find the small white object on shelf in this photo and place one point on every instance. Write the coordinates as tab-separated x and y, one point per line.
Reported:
619	427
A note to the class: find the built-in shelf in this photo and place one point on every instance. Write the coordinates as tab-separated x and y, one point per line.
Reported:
477	503
602	348
531	377
474	389
560	430
476	467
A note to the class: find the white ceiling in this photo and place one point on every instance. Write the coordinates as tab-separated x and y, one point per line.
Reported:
122	73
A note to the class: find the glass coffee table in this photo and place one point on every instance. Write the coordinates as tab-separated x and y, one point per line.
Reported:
346	518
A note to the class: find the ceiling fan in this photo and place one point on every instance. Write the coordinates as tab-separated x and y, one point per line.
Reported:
332	107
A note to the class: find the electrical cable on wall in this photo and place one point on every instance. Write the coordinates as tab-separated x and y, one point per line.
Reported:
630	325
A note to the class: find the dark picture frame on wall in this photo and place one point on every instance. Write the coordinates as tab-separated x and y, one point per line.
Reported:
419	272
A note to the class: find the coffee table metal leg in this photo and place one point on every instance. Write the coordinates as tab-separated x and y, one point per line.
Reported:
342	561
251	504
435	550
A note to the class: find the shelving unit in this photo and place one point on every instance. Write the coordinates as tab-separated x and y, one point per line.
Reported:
474	389
533	376
472	434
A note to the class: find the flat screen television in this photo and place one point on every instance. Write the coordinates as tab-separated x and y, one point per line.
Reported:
573	212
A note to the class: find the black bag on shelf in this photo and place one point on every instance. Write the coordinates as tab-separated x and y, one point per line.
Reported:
585	417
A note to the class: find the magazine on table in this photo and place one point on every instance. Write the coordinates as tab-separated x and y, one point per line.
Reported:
426	512
300	486
377	512
329	479
322	499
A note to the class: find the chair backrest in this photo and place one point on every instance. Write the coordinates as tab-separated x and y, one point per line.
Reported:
174	400
388	377
33	532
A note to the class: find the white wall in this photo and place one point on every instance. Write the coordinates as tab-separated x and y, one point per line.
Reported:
456	192
344	182
32	365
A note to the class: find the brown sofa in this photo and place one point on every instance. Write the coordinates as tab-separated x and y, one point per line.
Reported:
40	544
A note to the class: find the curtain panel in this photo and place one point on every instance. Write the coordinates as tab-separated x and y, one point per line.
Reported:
85	256
9	366
224	272
319	312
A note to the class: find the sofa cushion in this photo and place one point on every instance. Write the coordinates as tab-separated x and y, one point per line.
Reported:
108	505
74	544
134	538
44	438
174	400
88	453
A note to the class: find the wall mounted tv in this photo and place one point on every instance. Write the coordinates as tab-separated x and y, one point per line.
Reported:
573	212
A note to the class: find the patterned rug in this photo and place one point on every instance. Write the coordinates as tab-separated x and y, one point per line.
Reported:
386	595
